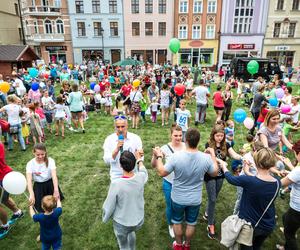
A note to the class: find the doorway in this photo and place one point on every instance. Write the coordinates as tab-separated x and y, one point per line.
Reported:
115	55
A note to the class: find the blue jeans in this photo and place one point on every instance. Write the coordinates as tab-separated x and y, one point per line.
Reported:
3	99
181	212
20	138
56	245
167	188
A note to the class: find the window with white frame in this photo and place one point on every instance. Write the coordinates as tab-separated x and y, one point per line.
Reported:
135	6
182	32
198	6
36	26
212	6
162	6
81	29
210	31
183	6
97	29
243	16
59	27
196	32
114	30
48	27
96	6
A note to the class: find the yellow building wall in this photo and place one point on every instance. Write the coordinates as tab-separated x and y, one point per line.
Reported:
207	44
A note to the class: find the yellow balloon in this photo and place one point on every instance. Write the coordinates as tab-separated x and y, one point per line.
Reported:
70	66
4	87
136	83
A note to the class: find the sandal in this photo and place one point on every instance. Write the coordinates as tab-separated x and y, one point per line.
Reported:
56	134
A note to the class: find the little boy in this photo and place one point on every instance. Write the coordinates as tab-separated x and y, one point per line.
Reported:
229	132
183	117
50	231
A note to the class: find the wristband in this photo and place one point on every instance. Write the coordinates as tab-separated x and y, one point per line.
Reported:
159	157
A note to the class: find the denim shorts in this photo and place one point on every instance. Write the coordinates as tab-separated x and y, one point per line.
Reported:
181	212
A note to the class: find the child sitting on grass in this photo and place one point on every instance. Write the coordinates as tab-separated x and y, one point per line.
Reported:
50	231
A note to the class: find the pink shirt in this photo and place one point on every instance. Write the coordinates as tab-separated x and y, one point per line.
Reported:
218	100
40	112
34	96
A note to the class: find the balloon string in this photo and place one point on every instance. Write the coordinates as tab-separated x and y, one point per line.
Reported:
32	206
2	193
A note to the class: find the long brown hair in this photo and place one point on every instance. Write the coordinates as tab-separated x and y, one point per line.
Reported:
42	147
212	143
271	114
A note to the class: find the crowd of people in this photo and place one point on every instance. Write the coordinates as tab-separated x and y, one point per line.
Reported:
57	96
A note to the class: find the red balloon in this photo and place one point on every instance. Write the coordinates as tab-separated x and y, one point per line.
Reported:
179	89
46	75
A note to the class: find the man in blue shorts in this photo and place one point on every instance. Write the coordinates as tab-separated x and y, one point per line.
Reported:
189	168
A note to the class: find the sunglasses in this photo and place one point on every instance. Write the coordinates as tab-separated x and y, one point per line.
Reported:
120	126
120	117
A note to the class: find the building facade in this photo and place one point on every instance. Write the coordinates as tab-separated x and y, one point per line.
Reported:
97	30
10	24
282	41
148	30
243	28
197	26
47	29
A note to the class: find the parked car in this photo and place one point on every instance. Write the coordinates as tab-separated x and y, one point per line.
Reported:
267	68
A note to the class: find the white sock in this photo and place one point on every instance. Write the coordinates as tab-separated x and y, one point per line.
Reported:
18	212
5	225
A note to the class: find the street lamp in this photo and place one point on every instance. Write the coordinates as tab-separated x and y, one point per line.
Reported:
102	36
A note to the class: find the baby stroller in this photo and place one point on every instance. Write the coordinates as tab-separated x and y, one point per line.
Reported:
246	96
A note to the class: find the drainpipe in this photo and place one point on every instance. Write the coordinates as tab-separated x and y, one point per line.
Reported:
21	21
123	29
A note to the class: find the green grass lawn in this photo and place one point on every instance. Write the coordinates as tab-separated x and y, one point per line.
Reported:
84	179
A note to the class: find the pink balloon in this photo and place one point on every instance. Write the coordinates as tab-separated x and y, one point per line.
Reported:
97	88
285	109
279	93
248	123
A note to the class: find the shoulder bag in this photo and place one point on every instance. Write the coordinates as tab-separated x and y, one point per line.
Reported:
235	230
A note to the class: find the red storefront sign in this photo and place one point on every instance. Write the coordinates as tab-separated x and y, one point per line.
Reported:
236	46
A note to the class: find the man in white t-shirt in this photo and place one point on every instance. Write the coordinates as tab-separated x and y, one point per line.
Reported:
202	93
18	85
183	117
295	110
118	142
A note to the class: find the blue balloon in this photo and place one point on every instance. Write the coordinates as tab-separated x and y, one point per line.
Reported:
273	102
33	72
239	115
92	85
35	86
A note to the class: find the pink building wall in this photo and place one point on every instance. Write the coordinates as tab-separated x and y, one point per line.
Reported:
143	42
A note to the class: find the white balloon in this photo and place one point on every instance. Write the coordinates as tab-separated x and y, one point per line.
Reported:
14	183
248	123
286	80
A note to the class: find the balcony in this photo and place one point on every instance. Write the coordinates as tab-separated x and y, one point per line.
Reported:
42	11
42	38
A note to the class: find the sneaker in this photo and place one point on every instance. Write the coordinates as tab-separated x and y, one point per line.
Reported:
211	232
281	193
185	247
205	217
15	217
83	131
171	232
177	246
196	123
3	232
71	128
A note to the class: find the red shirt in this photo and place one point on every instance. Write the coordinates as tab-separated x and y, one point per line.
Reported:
40	112
218	100
126	89
4	169
262	115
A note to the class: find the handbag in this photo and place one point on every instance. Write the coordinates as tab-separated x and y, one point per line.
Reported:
13	129
235	230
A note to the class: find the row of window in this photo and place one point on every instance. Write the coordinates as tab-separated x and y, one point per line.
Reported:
196	31
50	27
98	30
198	6
162	6
289	30
280	4
243	16
113	6
135	6
162	29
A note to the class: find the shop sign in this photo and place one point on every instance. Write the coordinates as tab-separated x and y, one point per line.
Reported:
56	48
195	44
236	46
282	48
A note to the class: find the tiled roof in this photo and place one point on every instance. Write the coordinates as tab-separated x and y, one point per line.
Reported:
13	52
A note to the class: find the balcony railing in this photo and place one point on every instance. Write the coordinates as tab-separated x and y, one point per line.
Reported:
46	37
42	10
